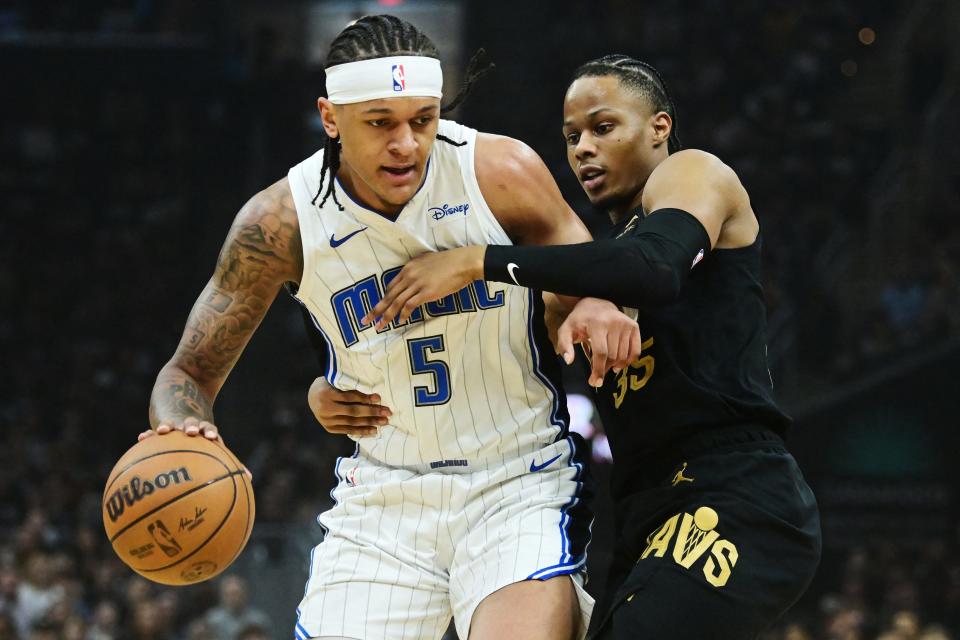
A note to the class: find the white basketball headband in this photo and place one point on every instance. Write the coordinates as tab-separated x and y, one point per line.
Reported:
393	77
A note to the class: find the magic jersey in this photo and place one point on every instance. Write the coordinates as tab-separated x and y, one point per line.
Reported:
471	378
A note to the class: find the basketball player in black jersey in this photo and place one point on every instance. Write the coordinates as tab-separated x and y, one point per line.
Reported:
717	531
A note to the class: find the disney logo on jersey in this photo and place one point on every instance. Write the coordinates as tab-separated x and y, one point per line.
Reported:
399	78
441	212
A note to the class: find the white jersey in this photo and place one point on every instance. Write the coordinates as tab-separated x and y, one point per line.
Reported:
471	379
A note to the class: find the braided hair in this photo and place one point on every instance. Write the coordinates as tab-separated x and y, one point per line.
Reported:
382	36
641	78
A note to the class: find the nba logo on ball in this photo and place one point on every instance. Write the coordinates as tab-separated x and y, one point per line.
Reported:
399	80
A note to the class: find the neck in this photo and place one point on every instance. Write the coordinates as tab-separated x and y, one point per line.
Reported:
618	213
635	203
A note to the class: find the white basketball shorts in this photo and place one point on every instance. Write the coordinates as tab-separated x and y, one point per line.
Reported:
407	548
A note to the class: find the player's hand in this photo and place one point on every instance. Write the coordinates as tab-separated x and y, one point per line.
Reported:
190	426
613	339
350	413
426	278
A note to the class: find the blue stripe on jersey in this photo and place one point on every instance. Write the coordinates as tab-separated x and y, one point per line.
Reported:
563	570
336	474
575	538
331	372
300	633
331	354
306	587
537	333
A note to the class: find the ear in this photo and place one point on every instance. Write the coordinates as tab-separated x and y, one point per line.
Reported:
328	117
662	125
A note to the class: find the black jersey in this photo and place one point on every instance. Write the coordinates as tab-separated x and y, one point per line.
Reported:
703	363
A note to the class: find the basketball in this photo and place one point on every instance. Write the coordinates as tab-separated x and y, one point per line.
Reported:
178	509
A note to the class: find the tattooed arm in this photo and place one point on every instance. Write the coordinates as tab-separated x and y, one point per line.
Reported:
262	251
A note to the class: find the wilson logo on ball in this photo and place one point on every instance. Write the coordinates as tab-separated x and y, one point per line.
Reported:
137	489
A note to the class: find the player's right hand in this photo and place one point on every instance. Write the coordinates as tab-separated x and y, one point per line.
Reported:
613	338
349	413
190	426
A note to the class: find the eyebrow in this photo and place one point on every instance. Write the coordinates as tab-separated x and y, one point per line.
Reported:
590	114
388	110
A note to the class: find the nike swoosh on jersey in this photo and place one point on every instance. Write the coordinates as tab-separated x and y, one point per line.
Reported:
511	266
334	242
534	467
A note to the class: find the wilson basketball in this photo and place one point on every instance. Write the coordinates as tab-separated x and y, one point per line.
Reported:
178	509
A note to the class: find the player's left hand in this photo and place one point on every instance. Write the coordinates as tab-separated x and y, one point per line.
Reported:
613	338
426	278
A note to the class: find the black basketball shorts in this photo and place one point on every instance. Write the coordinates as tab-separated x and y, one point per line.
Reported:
724	541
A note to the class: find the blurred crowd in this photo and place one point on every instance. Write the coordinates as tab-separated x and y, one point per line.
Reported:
122	165
882	591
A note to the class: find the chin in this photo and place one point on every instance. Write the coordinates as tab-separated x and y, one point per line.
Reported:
399	196
602	202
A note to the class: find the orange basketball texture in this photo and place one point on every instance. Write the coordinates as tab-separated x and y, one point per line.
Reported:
178	509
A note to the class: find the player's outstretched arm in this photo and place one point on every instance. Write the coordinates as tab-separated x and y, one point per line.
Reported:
261	252
695	203
520	191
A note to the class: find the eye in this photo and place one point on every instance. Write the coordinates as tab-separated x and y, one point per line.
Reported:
376	123
423	120
572	138
602	128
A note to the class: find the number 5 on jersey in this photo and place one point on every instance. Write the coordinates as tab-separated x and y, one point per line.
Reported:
420	364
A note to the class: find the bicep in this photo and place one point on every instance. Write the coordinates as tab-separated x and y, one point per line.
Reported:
258	256
697	183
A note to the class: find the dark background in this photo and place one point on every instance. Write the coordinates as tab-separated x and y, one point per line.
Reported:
132	131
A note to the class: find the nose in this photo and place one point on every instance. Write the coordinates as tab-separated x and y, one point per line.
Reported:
585	148
402	143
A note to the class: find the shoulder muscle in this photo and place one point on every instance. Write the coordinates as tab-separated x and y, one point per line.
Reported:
701	184
264	237
261	252
523	195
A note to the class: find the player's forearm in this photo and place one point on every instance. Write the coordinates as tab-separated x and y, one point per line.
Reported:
177	396
648	268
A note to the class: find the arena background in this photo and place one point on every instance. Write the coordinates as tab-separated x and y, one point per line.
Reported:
133	130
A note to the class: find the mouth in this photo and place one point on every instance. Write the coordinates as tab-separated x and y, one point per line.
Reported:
399	175
591	177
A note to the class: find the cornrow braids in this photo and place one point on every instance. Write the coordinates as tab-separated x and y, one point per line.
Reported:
381	36
476	68
640	77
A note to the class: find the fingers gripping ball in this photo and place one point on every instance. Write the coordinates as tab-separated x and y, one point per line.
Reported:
178	509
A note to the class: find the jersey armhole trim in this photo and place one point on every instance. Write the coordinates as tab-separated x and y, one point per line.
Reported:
469	173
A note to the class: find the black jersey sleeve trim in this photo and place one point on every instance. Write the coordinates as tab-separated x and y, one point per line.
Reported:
647	267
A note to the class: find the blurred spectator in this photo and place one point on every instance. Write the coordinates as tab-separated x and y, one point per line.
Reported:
148	622
105	623
253	632
8	630
233	612
36	593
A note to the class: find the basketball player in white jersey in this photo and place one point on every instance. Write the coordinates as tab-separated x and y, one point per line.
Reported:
470	499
